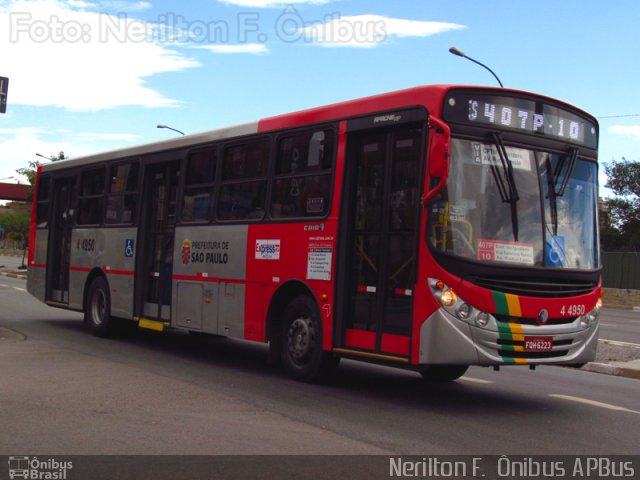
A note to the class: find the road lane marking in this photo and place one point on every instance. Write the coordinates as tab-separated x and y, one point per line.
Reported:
19	289
593	403
476	380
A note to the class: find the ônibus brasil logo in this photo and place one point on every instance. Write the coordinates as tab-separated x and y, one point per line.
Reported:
36	469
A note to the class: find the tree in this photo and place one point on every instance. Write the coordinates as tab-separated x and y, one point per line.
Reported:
624	209
30	171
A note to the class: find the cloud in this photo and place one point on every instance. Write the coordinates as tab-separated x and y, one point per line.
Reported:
366	31
20	145
58	54
123	6
251	48
272	3
632	131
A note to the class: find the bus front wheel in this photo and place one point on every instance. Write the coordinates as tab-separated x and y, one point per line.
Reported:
301	342
97	311
443	373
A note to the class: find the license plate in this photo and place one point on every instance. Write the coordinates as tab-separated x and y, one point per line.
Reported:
538	344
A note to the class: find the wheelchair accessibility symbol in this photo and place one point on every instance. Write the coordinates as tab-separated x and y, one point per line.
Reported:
128	248
555	251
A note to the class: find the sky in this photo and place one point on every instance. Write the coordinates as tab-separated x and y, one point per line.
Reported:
87	76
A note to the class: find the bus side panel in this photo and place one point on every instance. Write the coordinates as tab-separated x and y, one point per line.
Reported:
299	252
119	265
209	279
37	273
113	251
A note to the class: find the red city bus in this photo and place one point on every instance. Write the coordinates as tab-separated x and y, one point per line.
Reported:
430	229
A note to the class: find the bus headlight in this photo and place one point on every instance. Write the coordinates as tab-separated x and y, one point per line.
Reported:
482	319
456	306
592	317
464	311
448	298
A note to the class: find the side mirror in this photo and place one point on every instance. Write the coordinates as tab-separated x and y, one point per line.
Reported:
438	156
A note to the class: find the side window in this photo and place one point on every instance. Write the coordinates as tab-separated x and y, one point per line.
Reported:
91	204
244	185
302	185
122	194
42	206
198	188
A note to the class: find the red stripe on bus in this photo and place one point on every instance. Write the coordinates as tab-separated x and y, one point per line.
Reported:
39	265
201	278
80	269
129	273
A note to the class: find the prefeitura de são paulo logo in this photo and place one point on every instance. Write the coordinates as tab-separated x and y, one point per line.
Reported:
186	251
38	469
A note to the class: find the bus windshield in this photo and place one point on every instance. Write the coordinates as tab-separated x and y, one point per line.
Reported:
542	213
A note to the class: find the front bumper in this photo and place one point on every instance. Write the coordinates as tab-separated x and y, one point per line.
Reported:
445	339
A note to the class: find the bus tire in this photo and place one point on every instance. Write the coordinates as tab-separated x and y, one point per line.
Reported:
443	373
97	311
301	342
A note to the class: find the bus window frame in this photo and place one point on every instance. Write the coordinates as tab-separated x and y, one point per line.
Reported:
137	192
182	187
273	176
79	196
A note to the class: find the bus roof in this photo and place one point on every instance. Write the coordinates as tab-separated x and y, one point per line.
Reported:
429	96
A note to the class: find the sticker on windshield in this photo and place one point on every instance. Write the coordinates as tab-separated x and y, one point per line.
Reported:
555	251
511	252
488	155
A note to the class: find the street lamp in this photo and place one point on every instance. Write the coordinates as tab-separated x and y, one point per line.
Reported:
44	156
170	128
460	53
7	178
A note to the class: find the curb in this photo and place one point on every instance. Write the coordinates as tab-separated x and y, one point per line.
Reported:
13	275
608	369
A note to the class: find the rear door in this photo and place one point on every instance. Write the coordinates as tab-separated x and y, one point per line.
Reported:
154	269
59	249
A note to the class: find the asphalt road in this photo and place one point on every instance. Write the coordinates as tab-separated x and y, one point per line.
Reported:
63	391
620	325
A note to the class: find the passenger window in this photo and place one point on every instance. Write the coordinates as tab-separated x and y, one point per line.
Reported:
42	206
91	203
302	186
122	196
244	184
198	189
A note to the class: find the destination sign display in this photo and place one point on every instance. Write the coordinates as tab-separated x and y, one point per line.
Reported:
525	115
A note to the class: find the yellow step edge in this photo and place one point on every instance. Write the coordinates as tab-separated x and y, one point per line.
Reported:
377	356
152	324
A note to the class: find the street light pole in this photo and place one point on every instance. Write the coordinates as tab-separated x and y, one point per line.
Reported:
460	53
169	128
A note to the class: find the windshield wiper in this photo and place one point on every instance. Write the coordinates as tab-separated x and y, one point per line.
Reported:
567	175
555	190
506	182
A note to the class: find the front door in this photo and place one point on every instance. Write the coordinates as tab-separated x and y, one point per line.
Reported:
156	236
383	178
59	250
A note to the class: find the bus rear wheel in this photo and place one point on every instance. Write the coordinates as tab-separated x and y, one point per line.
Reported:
301	342
97	311
443	373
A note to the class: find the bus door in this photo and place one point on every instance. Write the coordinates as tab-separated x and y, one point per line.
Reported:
59	249
380	237
154	267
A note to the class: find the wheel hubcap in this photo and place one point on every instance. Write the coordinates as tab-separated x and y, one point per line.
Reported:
301	339
98	307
